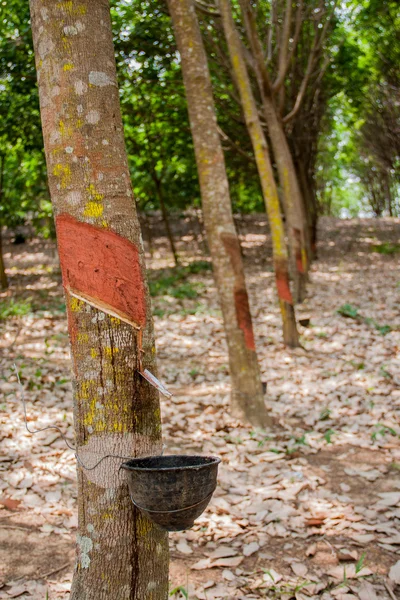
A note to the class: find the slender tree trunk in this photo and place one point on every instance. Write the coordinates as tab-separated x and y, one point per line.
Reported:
270	192
388	190
247	394
292	199
3	275
120	554
308	193
165	217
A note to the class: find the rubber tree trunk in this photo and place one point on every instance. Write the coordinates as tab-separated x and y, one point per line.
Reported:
3	275
165	216
247	393
120	554
388	189
291	194
270	192
310	202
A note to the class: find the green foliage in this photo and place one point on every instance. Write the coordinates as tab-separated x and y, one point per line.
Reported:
173	282
180	589
360	562
347	310
386	248
352	312
10	307
352	149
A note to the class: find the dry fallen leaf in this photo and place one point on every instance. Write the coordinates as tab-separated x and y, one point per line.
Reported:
394	573
9	503
366	591
299	569
250	549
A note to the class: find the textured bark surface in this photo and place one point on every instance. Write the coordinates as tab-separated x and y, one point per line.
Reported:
291	193
120	554
247	395
270	192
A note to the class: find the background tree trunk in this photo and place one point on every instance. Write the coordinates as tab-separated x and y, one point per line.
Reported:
291	194
165	216
270	192
247	393
120	554
3	275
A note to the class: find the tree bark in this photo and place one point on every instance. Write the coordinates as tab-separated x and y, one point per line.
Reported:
270	192
247	394
120	554
3	275
292	199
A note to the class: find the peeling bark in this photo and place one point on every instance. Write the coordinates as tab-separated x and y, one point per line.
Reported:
120	554
247	394
270	192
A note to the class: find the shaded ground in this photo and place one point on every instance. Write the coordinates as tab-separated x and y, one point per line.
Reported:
310	510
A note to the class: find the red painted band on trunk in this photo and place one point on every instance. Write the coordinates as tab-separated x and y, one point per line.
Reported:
283	288
102	266
244	317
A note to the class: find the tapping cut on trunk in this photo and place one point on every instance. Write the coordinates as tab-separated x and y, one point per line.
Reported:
101	267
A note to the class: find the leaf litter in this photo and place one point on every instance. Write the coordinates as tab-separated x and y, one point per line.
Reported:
308	510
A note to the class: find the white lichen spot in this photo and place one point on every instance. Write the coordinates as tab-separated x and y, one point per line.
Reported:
101	316
69	150
90	528
152	585
70	30
99	405
85	561
93	117
99	78
80	87
44	13
85	545
90	375
105	142
79	109
74	198
74	159
45	47
80	26
45	101
100	176
90	429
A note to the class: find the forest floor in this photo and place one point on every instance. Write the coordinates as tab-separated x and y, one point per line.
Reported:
308	510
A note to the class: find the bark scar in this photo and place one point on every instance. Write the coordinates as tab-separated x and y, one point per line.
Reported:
102	268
